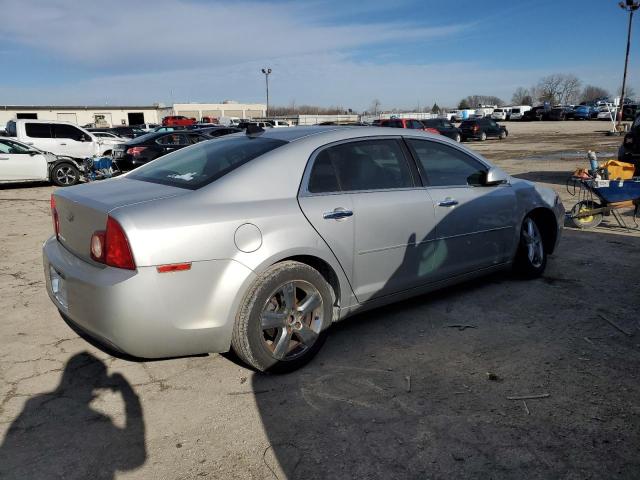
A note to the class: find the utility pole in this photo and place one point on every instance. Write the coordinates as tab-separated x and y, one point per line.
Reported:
629	6
267	72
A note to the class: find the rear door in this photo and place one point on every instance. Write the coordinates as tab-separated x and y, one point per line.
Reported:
475	223
73	141
364	200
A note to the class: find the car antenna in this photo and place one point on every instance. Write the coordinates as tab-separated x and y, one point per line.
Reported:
254	130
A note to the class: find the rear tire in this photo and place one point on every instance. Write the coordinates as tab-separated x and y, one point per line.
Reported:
65	174
502	135
457	138
283	320
531	257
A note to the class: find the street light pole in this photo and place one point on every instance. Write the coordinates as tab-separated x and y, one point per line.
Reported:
630	6
267	72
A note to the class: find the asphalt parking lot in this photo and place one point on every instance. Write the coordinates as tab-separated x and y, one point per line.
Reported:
426	388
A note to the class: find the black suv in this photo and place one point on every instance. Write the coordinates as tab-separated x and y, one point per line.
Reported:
481	129
630	149
444	127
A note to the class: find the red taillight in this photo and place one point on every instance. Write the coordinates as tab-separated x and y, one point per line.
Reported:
432	130
136	151
475	128
54	217
111	246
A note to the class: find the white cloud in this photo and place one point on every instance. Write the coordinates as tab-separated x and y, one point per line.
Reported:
161	34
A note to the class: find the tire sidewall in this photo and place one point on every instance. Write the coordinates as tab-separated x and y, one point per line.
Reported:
54	178
483	137
522	264
269	282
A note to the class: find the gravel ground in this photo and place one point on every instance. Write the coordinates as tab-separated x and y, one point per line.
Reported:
395	393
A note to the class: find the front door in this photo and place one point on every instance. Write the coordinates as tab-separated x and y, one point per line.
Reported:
475	223
16	163
363	199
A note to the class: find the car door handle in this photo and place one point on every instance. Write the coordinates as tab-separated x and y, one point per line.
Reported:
337	214
63	144
4	158
448	202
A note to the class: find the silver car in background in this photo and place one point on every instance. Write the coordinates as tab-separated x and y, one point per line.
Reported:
259	241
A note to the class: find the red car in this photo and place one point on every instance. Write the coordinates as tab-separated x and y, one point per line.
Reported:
177	120
407	123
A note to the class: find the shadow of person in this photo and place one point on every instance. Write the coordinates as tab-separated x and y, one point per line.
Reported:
59	435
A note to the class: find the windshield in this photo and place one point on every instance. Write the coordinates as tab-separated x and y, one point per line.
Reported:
196	166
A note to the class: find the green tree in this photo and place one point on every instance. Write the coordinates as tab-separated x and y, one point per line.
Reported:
435	108
464	104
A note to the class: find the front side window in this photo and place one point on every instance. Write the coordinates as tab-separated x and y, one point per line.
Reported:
204	162
443	165
361	165
38	130
7	146
67	131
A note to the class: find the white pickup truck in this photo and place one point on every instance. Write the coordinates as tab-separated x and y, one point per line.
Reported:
60	138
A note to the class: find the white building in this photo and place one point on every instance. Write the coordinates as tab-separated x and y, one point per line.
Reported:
127	114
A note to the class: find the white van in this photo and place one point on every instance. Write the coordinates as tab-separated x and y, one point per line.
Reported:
501	113
60	138
517	112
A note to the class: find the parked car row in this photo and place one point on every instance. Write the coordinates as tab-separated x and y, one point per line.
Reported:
475	129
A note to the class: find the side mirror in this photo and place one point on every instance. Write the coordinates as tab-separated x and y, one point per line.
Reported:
32	153
495	177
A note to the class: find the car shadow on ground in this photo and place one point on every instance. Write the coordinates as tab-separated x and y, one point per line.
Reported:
60	435
420	389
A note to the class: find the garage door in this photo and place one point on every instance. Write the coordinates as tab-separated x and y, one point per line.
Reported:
68	117
212	113
190	114
255	113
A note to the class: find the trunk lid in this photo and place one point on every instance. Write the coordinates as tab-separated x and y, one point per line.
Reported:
83	209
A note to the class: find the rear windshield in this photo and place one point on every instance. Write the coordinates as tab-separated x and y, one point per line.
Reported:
469	123
196	166
515	110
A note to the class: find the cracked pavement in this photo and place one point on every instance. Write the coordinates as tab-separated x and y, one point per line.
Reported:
69	410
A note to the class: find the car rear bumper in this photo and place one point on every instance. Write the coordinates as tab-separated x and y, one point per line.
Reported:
144	313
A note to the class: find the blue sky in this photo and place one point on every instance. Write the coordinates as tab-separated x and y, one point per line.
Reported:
322	52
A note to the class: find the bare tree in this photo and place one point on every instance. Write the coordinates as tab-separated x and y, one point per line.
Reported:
476	100
558	88
629	91
591	93
522	96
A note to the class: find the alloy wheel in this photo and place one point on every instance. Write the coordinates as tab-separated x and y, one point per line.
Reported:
65	175
533	242
291	319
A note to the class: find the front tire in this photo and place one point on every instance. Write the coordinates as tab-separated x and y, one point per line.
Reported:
483	136
502	135
283	320
457	138
65	175
531	257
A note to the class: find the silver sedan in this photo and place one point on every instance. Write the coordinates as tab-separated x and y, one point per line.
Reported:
259	242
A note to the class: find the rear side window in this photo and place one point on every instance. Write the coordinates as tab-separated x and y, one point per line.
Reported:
204	162
38	130
443	165
173	139
67	131
358	166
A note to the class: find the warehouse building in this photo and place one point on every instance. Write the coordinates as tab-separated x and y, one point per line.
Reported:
128	115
